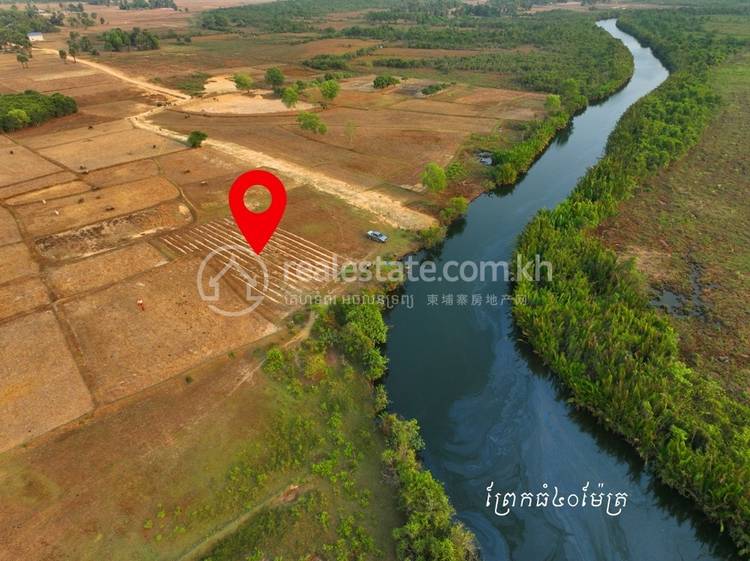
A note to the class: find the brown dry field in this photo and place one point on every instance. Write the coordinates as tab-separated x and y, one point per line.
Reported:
22	296
43	218
19	164
104	269
16	261
390	140
110	149
84	494
8	229
39	388
128	350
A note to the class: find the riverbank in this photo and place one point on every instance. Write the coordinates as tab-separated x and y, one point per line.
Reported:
593	323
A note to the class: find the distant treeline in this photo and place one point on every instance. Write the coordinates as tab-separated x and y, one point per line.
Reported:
138	39
284	16
592	322
337	62
32	108
146	4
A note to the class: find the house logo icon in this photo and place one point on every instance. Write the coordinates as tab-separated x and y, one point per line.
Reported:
232	268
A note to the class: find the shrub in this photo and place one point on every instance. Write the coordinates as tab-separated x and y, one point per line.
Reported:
311	122
196	138
384	80
434	178
456	207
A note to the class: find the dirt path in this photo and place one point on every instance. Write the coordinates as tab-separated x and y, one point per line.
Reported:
148	86
204	547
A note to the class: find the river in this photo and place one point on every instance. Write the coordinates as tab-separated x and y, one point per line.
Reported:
490	412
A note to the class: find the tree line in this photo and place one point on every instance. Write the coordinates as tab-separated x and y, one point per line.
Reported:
593	324
32	108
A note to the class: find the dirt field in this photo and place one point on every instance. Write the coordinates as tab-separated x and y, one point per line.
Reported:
102	270
19	164
38	390
241	104
42	218
16	262
128	349
389	139
22	296
110	149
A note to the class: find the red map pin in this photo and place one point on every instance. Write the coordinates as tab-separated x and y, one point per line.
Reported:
257	227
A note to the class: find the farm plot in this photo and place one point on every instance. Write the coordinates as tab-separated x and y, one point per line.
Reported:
296	266
19	164
127	349
101	270
113	232
111	149
38	390
57	215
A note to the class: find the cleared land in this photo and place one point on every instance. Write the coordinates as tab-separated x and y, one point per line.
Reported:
38	390
373	137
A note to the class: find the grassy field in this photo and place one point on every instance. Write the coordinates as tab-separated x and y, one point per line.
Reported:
697	245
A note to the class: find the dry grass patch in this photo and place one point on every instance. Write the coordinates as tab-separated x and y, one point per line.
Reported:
127	349
38	390
22	296
15	262
20	164
73	211
103	269
114	232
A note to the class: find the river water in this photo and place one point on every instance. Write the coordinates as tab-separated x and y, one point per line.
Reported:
490	412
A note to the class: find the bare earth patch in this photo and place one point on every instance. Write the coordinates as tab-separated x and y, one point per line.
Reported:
104	269
16	262
77	210
22	296
241	104
38	390
127	349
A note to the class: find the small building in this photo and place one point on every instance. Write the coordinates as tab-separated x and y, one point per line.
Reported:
35	36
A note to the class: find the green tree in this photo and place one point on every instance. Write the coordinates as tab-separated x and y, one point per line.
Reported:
311	122
434	178
329	90
456	207
553	104
73	50
63	55
23	59
275	77
18	118
383	81
242	81
196	138
290	97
